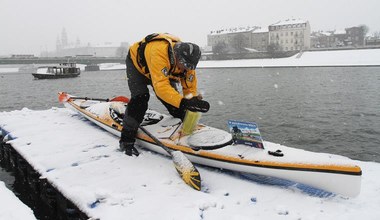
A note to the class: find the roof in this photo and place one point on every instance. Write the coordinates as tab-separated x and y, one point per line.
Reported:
260	30
289	21
234	30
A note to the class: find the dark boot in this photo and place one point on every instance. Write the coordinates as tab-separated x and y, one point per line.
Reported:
134	115
129	148
128	137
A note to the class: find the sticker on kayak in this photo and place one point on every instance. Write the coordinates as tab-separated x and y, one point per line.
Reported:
246	133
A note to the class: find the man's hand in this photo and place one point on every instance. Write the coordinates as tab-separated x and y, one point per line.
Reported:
195	104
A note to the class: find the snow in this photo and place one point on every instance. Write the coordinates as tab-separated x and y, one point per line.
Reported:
289	22
261	30
112	66
11	208
83	162
234	30
362	57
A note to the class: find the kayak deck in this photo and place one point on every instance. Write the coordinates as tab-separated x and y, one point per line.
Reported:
326	171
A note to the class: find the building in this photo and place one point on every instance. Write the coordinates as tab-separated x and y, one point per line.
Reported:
355	36
101	50
260	39
327	39
372	41
290	35
234	39
65	48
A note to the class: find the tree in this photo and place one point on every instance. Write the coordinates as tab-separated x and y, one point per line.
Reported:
219	48
365	29
376	35
273	48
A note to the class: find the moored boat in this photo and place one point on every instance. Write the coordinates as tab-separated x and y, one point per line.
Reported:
63	70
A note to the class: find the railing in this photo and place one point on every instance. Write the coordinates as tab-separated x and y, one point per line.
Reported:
55	60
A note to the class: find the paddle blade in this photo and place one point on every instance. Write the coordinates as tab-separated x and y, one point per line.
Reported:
186	170
63	97
120	99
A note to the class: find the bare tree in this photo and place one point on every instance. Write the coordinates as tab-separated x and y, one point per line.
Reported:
365	29
219	48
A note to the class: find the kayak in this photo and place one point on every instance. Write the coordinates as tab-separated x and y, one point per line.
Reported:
215	148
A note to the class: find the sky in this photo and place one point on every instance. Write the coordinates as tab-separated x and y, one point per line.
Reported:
31	27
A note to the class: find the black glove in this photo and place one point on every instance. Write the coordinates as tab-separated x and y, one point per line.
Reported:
129	148
195	104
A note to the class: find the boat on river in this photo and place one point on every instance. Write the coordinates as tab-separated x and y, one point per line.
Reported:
63	70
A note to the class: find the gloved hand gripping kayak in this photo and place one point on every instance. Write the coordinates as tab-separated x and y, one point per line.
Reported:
195	104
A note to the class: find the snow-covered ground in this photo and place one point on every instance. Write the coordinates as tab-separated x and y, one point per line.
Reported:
83	162
11	208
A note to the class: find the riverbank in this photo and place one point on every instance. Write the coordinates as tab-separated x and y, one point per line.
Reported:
337	58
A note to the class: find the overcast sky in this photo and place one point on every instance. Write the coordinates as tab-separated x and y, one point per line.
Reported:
32	26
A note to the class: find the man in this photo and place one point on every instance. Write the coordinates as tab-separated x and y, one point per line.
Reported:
160	60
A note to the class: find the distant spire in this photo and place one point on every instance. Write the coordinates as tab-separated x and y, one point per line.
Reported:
58	44
64	38
77	43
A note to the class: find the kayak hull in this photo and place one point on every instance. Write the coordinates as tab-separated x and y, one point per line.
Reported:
332	173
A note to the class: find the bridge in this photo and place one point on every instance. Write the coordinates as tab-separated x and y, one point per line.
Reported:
53	60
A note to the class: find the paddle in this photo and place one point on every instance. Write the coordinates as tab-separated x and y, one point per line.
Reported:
188	172
185	168
64	97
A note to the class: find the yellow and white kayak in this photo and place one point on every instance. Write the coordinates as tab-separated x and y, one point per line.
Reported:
213	147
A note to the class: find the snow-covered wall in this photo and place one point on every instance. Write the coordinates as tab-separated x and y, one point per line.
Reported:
364	57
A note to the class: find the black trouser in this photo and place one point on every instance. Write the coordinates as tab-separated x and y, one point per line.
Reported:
138	104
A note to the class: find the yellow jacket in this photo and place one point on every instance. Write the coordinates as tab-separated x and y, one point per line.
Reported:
158	63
